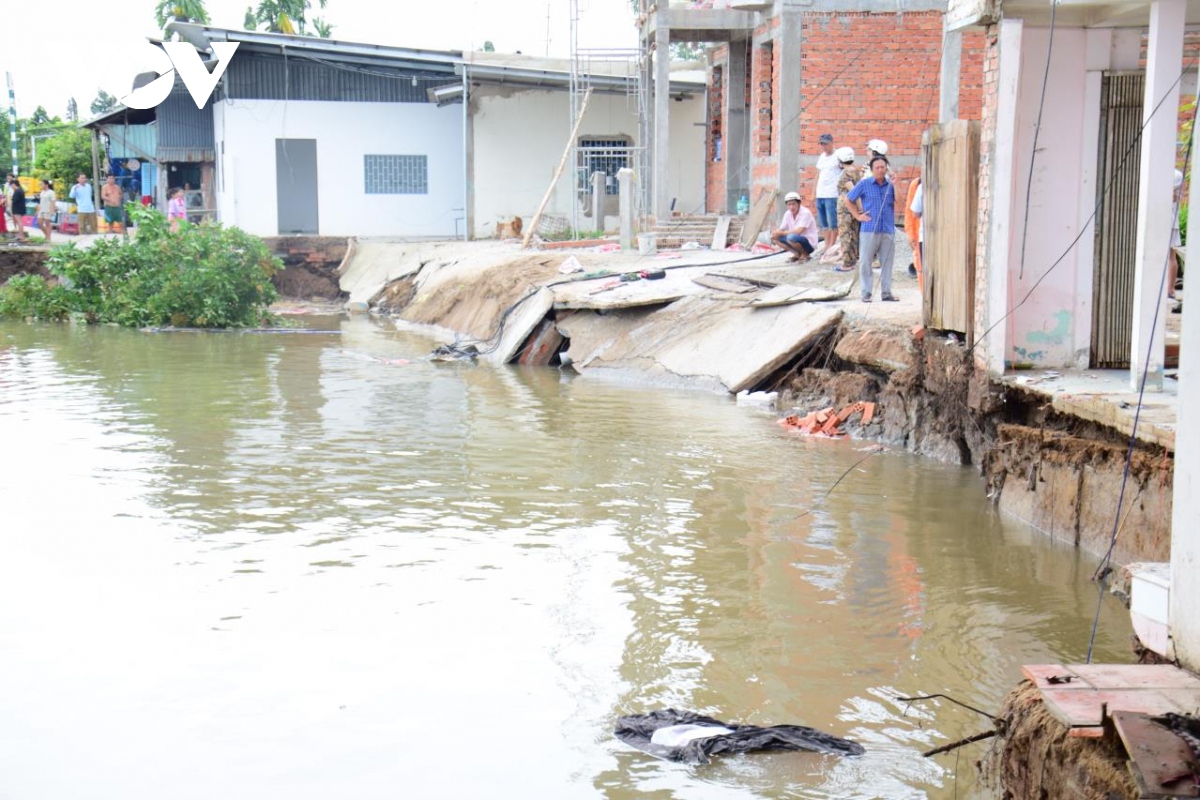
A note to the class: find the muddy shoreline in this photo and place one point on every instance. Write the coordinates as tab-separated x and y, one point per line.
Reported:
1056	471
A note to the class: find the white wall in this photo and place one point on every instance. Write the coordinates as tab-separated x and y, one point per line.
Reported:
1054	324
246	131
519	136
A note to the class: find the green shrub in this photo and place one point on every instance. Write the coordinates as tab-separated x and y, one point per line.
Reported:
204	276
31	297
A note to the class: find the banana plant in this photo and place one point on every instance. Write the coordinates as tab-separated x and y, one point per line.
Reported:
180	11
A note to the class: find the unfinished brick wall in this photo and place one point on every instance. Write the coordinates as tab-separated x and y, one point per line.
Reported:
863	76
714	166
877	76
763	99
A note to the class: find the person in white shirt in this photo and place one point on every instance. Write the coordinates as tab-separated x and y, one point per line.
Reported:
85	204
797	232
828	170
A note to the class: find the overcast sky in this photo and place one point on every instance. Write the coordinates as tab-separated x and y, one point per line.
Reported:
57	49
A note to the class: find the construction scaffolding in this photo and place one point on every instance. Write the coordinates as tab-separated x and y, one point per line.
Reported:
589	156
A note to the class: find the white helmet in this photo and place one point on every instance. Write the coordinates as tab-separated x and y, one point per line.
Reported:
844	154
878	146
790	196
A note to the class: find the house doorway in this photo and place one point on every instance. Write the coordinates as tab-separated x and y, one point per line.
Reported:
1122	99
296	185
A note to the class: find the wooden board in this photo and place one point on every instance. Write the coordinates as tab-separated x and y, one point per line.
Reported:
758	215
786	295
1161	762
721	234
951	174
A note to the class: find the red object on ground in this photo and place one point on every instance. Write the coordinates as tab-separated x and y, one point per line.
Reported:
826	422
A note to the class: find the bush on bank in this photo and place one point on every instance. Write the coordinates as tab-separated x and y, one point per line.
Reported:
203	276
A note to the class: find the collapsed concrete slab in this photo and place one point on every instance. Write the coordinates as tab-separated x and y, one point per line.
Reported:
370	266
711	342
519	323
610	293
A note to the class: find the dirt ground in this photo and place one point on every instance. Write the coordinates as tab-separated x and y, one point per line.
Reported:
1037	758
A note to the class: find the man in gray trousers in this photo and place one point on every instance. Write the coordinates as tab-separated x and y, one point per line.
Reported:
872	202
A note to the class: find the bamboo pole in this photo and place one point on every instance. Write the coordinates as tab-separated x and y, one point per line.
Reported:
533	223
96	204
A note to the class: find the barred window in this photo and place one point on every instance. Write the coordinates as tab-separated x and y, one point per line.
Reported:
396	174
608	155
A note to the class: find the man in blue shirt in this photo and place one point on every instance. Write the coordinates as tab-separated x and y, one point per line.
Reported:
872	202
85	204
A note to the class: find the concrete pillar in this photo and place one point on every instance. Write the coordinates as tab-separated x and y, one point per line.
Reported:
787	48
598	186
1003	176
1185	511
625	195
736	147
951	70
662	113
1164	54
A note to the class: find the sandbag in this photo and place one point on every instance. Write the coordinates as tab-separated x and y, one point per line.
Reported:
691	738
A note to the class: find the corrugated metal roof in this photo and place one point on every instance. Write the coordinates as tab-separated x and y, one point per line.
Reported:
200	36
185	133
131	141
263	77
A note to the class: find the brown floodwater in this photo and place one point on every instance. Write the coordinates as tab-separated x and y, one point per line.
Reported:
279	566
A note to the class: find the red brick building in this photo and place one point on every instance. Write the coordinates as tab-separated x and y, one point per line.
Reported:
862	75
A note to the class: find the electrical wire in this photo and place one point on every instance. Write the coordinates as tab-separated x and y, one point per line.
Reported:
1137	414
1086	226
1037	129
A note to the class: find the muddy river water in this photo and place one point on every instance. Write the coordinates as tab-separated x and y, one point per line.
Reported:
290	566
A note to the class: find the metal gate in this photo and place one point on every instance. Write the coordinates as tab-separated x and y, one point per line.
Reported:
1121	107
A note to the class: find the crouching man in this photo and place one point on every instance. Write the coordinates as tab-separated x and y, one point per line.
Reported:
798	233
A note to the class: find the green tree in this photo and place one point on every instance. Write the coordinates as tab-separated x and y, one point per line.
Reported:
41	116
103	103
686	51
286	16
323	29
62	157
180	11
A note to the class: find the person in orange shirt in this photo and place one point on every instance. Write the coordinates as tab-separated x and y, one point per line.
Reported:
912	229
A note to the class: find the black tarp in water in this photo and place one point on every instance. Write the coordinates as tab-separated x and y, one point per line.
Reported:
692	738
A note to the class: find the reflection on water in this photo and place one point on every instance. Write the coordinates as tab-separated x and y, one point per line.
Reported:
273	566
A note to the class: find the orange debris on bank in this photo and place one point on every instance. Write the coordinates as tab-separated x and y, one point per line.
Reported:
828	423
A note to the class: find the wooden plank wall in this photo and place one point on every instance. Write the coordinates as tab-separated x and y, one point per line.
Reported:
950	153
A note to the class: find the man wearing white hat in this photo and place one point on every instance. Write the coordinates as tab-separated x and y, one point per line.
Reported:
797	232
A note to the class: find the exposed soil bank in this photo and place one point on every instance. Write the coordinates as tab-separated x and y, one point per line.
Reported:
1036	758
1060	474
1055	471
311	266
19	261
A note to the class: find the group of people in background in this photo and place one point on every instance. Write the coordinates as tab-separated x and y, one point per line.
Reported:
14	206
855	223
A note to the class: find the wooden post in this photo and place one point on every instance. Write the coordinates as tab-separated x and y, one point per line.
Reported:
96	176
533	223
